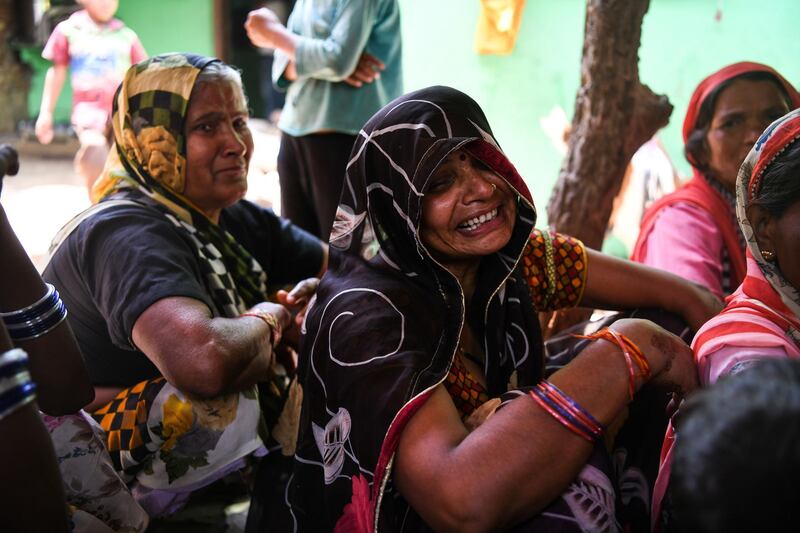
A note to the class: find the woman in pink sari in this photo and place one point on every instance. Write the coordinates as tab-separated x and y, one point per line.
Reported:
762	318
693	232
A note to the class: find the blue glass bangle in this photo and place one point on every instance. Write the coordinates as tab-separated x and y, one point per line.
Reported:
12	362
34	330
16	387
577	424
33	311
16	397
577	407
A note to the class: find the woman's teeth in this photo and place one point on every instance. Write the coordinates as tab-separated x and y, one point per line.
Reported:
475	223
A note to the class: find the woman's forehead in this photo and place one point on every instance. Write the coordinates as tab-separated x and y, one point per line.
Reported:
217	96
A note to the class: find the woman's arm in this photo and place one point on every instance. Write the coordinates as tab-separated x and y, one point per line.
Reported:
55	361
33	498
207	356
613	283
334	58
521	458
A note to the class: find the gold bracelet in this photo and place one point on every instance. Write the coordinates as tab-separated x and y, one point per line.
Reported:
271	321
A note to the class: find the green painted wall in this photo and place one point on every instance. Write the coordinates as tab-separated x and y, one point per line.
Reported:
162	26
681	43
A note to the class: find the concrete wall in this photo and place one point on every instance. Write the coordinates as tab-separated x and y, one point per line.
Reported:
682	42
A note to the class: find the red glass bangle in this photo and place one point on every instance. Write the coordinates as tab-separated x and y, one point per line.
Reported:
630	351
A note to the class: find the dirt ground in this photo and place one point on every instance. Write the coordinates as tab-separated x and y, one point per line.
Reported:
47	193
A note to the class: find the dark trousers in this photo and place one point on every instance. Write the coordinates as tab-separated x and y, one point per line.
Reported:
311	170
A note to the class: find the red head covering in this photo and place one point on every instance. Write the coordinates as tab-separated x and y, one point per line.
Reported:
722	75
697	191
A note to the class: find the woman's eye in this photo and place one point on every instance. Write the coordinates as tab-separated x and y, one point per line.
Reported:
240	124
730	123
440	184
204	127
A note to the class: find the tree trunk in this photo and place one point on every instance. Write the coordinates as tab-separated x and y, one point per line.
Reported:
614	115
13	76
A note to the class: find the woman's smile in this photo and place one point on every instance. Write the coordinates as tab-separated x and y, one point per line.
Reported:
468	211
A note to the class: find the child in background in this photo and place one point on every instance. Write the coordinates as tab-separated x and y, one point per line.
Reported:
98	49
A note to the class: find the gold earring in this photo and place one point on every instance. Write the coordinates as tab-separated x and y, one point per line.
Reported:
494	187
768	255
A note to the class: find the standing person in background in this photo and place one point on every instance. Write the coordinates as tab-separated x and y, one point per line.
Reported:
693	232
340	61
273	98
98	49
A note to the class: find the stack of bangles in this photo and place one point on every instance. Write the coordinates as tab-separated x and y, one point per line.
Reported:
272	322
16	387
633	355
564	409
37	319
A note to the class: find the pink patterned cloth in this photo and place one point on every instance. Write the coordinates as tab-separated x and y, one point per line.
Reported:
98	56
686	241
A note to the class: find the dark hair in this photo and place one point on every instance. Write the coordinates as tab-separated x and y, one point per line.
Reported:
780	184
696	147
737	458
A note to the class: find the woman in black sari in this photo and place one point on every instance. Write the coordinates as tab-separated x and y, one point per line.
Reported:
426	322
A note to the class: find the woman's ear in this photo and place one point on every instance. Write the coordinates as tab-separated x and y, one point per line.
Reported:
763	224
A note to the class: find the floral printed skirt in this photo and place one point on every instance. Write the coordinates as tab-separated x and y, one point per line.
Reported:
166	440
98	500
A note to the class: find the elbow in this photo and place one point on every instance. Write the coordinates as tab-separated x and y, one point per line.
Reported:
465	511
204	373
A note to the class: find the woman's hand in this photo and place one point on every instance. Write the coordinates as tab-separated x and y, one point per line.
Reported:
296	301
277	310
698	305
367	70
671	361
298	298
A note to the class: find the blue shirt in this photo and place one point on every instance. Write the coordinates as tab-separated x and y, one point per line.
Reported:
333	34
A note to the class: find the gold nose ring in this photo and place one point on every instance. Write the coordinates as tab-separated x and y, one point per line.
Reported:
494	187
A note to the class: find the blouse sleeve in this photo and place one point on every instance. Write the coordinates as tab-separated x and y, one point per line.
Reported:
555	267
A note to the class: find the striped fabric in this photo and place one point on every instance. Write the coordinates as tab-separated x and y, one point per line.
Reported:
764	313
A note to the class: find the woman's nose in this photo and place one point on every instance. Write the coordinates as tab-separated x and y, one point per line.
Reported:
478	187
234	142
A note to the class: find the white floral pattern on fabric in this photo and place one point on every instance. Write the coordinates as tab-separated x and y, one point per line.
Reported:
98	499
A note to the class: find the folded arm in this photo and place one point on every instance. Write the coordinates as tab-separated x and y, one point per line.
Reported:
513	465
207	356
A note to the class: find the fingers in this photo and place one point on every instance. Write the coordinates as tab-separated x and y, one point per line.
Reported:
372	61
258	27
279	311
367	70
352	81
302	291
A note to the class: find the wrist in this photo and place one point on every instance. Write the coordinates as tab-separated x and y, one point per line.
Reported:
271	322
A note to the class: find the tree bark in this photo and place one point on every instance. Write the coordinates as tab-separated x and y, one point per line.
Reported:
614	115
13	76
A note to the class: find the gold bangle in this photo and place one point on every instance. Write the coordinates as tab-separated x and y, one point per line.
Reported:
271	321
